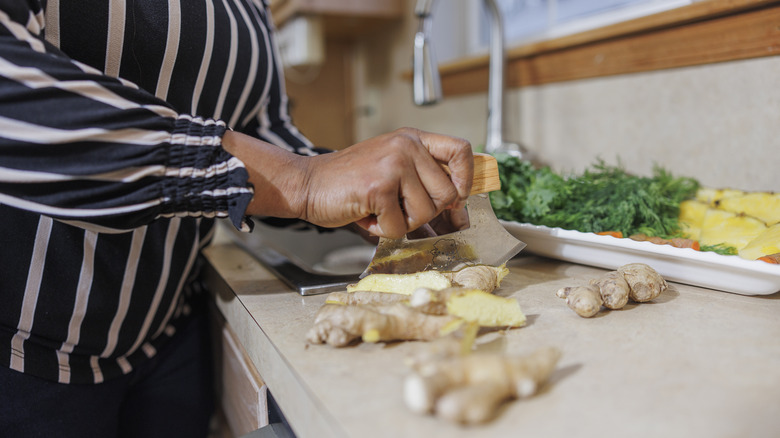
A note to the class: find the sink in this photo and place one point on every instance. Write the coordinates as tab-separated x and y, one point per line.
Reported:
309	261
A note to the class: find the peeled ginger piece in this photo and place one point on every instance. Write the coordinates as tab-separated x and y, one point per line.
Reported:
402	283
483	277
485	308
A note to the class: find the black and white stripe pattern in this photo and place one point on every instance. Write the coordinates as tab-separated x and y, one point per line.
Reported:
111	170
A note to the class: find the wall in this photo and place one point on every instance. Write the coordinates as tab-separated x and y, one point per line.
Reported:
719	123
328	124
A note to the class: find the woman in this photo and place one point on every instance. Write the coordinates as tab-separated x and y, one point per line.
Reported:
125	129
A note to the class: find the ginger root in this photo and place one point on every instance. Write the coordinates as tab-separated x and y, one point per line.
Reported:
469	389
419	306
585	300
636	281
385	316
645	283
482	277
339	325
613	288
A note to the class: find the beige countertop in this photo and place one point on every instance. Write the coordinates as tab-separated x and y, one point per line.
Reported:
693	363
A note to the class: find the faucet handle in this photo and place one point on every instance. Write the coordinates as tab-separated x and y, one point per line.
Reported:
423	8
426	82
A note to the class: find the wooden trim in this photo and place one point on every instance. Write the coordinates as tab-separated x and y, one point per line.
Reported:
701	33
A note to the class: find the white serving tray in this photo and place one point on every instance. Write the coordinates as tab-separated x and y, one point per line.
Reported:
682	265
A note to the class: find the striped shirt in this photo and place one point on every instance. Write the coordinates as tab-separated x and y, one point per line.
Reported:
112	170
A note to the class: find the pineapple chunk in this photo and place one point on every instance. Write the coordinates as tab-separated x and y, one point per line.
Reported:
766	243
761	205
725	227
711	196
692	217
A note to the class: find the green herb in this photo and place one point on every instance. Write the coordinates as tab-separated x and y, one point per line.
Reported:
720	248
603	198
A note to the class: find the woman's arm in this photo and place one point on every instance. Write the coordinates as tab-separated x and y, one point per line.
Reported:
388	185
95	150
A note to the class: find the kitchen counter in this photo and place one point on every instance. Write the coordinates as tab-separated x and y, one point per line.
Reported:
695	362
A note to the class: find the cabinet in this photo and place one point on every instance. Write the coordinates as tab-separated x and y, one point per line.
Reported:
342	18
242	396
321	97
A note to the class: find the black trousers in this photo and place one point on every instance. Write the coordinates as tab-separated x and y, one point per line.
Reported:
169	396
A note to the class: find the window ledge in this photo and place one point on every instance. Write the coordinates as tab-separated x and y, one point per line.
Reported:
705	32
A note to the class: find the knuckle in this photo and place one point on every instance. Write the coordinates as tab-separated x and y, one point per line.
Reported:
448	196
407	131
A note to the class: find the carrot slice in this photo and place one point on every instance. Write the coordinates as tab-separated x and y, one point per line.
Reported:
772	258
685	243
618	234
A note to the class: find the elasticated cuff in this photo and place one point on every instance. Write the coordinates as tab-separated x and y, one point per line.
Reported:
202	179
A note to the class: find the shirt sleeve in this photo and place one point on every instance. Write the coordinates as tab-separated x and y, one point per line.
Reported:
84	147
273	123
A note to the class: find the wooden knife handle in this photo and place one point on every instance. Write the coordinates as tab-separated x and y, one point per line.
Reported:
485	174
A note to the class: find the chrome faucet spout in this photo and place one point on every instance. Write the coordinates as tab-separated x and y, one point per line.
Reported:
495	123
427	83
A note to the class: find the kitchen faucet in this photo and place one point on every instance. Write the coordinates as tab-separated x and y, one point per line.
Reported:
426	83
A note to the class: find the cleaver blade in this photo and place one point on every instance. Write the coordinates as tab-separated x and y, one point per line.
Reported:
484	242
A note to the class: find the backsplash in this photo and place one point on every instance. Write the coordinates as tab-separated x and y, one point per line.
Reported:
719	123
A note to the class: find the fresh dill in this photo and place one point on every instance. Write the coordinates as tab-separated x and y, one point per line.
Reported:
602	198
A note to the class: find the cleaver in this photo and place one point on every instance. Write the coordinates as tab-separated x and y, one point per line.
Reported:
484	242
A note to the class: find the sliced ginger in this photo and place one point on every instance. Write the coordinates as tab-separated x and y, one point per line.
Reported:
471	305
483	277
402	283
378	306
386	316
447	379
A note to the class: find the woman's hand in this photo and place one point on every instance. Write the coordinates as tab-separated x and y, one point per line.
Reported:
388	185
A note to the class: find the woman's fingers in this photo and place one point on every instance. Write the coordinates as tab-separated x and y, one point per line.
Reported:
391	184
457	154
